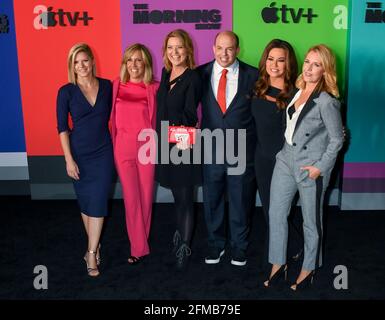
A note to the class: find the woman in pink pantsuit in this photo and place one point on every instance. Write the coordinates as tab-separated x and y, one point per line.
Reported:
134	109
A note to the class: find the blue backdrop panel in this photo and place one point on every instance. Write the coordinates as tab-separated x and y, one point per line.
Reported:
11	120
366	83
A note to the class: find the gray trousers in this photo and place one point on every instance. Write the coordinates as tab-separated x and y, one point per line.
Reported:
311	192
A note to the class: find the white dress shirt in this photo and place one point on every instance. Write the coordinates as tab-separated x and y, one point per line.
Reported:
232	80
290	123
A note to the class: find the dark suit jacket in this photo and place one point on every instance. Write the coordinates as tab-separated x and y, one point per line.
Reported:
238	114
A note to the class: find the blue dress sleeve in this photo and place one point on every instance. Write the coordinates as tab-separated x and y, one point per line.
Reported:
62	110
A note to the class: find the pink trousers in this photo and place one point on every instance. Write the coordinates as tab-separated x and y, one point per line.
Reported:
137	182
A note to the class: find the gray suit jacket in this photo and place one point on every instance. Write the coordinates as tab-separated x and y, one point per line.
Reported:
318	135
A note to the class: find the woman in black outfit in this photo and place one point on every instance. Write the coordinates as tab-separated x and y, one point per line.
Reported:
278	71
177	101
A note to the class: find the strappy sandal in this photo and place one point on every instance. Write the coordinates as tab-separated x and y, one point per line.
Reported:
98	257
132	260
91	271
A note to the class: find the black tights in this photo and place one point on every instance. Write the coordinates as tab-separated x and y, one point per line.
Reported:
184	207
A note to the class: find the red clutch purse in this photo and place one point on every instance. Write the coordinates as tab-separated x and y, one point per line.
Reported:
181	133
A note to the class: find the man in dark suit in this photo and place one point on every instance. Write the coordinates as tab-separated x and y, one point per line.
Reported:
227	83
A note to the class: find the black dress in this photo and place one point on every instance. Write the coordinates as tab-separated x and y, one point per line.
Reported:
270	128
270	138
179	107
90	143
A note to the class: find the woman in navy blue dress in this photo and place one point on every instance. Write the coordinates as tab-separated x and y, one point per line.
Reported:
87	146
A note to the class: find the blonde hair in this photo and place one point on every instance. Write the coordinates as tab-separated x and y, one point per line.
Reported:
147	59
79	47
187	43
328	81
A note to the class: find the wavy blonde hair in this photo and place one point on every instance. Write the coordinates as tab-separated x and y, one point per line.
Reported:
79	47
187	43
147	59
328	82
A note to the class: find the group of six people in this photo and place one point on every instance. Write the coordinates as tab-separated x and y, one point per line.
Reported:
292	132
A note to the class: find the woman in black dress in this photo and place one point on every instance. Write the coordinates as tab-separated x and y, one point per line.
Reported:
278	71
177	102
87	146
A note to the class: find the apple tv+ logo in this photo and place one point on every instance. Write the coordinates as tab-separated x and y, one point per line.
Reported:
46	17
270	14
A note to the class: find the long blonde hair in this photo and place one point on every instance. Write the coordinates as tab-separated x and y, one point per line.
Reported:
328	81
79	47
147	59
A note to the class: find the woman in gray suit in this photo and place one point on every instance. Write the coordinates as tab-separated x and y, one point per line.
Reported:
313	137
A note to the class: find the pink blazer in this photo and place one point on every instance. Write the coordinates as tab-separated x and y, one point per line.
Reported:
152	88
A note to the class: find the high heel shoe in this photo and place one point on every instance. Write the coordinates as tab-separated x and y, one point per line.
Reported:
305	283
98	257
273	280
92	272
132	260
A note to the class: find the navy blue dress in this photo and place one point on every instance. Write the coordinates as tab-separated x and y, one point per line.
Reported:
90	143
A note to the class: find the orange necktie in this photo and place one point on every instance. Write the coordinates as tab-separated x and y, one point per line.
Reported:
221	95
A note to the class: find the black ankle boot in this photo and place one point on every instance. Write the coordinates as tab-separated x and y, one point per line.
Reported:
182	255
176	241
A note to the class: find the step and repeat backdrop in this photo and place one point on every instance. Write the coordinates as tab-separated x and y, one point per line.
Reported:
36	35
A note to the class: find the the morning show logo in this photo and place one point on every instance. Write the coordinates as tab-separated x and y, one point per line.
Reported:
203	18
272	14
48	17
